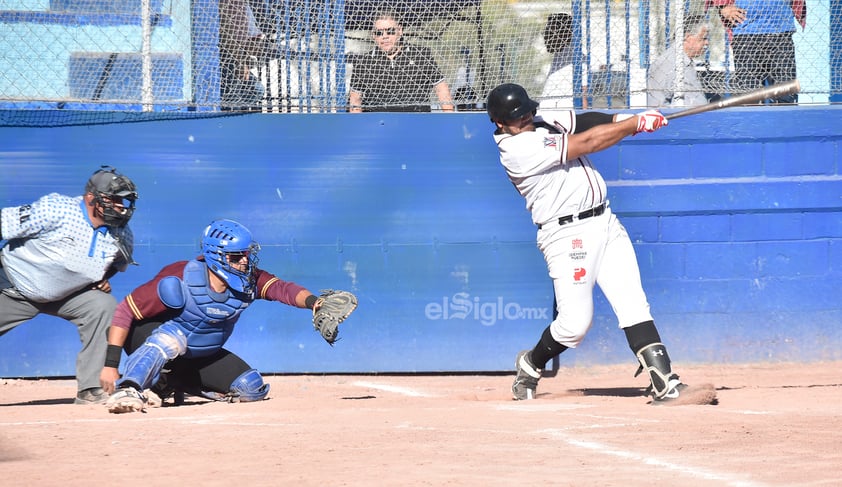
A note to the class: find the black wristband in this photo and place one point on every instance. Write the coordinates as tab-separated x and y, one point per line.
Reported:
112	355
310	301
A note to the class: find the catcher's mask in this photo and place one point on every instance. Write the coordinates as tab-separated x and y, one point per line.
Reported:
225	244
509	102
114	196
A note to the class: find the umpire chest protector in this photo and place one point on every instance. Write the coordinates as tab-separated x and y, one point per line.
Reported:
207	317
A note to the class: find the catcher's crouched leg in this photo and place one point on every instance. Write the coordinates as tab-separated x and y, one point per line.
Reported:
248	387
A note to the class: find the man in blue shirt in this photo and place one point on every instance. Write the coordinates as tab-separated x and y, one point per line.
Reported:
761	31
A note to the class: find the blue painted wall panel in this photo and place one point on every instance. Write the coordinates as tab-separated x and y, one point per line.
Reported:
805	158
725	160
414	213
823	225
642	228
767	226
696	228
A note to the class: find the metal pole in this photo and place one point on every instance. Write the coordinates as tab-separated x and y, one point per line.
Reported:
146	55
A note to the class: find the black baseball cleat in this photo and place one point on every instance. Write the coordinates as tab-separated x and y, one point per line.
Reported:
526	381
680	394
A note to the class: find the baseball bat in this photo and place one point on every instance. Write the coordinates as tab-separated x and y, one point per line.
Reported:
755	96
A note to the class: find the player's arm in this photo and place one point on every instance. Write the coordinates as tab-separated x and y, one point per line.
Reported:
117	334
603	136
588	120
30	220
355	102
272	288
443	94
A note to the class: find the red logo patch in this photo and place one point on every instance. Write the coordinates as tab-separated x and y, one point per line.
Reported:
578	273
577	243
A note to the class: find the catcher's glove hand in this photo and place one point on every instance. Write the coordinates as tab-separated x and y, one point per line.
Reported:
332	308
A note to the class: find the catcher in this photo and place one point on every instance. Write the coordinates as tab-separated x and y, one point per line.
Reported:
174	327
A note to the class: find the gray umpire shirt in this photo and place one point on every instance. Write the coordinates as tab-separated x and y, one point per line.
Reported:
53	250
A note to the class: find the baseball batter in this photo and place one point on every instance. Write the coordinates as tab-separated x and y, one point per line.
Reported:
545	155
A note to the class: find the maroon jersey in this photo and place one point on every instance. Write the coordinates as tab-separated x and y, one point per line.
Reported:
144	303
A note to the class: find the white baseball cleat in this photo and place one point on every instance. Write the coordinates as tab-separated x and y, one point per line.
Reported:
126	400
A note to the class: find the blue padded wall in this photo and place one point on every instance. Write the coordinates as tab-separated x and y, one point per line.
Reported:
735	216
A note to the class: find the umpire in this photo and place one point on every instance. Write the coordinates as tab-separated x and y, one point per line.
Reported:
56	258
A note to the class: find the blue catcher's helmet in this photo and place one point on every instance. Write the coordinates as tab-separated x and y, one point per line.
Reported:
226	242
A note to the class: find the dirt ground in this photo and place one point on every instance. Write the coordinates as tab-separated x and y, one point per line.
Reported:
774	425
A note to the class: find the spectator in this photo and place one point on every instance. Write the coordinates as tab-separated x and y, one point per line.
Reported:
662	84
182	319
558	89
239	39
761	40
396	76
57	256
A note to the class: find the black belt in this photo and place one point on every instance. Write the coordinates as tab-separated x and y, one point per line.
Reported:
595	211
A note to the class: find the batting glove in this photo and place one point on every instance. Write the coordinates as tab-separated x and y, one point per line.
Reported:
650	121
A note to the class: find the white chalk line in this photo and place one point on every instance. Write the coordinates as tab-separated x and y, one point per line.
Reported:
404	391
224	420
695	472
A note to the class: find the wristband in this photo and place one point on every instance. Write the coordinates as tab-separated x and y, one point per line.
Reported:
310	301
112	355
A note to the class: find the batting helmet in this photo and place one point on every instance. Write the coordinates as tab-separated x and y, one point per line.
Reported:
225	242
111	188
509	102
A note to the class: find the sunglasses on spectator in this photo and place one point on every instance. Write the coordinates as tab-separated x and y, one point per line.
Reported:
387	32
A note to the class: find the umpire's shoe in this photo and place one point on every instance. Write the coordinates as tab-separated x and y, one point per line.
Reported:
526	381
94	395
126	400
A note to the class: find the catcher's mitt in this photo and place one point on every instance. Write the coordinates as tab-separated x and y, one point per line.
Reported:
332	307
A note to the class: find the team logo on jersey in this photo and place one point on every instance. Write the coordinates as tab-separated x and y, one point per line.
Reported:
575	254
550	142
579	275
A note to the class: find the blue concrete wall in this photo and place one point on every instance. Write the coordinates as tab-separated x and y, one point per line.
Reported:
736	217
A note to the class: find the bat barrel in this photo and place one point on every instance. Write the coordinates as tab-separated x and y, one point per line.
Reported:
774	91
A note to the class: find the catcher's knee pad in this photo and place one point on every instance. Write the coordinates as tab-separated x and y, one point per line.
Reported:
249	386
655	361
143	367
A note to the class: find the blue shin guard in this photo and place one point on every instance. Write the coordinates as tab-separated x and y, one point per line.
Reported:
144	365
248	387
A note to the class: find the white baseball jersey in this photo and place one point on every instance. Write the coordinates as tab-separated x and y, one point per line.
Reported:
580	253
53	250
537	165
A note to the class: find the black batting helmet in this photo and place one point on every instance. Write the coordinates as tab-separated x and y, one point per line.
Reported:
509	102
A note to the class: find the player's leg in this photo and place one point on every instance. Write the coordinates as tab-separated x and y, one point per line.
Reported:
91	311
572	254
619	280
144	365
226	377
14	310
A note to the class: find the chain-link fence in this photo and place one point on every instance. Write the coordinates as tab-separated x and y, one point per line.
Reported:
338	55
